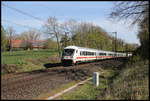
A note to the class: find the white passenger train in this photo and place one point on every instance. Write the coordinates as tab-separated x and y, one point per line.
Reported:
75	54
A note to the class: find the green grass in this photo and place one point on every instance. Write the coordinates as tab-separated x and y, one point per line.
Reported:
88	91
29	60
130	83
18	57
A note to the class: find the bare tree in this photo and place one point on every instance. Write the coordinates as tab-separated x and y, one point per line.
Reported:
127	9
17	37
69	28
52	28
10	34
30	35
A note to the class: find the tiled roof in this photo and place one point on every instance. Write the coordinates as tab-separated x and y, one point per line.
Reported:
22	43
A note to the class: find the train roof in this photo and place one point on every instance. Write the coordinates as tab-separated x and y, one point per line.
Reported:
83	48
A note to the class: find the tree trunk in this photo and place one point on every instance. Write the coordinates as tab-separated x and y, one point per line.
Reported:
58	44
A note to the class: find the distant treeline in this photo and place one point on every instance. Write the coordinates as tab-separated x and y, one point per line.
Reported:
82	34
92	36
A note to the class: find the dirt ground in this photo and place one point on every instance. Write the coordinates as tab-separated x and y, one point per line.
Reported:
29	85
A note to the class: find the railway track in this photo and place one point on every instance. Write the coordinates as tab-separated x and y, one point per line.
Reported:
53	77
23	82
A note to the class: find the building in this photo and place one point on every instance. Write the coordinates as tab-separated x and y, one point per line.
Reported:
33	44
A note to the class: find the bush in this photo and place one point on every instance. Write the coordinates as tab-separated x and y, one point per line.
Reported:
135	59
132	82
143	51
9	68
17	49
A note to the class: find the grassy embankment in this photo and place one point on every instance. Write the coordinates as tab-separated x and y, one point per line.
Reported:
20	61
88	91
130	82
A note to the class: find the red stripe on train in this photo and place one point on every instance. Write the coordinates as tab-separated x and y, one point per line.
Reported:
84	57
93	57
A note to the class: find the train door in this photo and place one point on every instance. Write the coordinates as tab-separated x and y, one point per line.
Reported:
75	56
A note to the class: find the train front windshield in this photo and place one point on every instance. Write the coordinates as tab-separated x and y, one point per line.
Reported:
68	52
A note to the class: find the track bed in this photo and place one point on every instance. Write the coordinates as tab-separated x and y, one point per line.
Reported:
29	85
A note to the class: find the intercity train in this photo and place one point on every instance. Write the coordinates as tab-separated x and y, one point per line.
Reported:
75	54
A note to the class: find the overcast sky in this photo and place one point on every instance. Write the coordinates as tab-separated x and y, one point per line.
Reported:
94	12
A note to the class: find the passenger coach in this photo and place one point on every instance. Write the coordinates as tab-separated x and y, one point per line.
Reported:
75	54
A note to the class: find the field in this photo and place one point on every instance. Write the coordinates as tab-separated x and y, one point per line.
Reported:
27	60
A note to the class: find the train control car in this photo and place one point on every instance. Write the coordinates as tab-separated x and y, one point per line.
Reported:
75	54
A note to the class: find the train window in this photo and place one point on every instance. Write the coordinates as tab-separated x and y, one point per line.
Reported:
88	53
84	53
100	54
76	51
109	54
68	52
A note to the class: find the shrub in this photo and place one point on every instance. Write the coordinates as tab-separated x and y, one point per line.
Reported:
17	49
9	68
132	81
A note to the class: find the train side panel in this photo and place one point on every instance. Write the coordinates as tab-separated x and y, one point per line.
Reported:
80	54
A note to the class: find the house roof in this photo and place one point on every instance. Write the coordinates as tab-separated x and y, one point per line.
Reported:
22	43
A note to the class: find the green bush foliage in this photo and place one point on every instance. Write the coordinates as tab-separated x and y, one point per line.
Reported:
132	82
3	39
